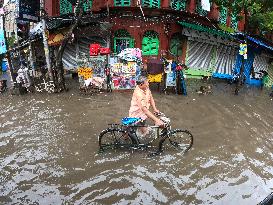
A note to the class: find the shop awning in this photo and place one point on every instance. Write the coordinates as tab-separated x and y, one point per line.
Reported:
210	30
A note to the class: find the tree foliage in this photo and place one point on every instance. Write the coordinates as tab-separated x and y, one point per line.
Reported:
260	12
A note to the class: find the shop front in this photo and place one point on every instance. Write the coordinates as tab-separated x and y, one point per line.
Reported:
209	55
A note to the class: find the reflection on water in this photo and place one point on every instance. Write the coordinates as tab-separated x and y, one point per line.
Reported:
49	151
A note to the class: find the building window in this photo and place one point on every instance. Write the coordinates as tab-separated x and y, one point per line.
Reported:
66	7
87	5
151	3
122	40
223	16
179	5
150	43
234	21
122	2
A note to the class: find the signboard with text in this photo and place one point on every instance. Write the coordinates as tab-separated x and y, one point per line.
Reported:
3	47
29	10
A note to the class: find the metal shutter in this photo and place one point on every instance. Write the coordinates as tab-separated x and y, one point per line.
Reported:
199	55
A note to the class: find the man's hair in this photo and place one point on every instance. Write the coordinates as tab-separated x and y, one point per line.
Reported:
141	79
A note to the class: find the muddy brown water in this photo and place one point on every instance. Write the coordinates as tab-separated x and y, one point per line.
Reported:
49	150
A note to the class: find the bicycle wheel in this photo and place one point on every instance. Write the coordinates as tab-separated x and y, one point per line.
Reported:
51	89
113	138
181	140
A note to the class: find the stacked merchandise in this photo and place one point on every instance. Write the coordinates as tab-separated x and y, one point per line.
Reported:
91	69
125	72
124	75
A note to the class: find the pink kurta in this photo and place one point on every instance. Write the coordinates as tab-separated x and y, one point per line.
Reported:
140	99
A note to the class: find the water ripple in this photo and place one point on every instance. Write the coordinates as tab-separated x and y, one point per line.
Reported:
49	151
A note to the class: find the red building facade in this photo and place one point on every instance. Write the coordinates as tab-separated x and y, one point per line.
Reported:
152	27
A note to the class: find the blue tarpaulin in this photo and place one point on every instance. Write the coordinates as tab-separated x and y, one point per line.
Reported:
255	46
254	40
247	64
260	43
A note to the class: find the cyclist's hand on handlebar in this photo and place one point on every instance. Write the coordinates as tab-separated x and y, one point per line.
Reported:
158	113
159	123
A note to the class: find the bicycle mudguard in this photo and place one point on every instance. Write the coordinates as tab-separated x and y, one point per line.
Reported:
268	200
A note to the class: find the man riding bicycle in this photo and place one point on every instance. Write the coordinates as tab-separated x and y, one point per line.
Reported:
141	100
127	134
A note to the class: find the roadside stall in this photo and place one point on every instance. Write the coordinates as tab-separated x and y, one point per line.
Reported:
91	69
125	68
209	55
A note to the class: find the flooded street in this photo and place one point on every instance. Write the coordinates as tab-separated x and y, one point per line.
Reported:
49	150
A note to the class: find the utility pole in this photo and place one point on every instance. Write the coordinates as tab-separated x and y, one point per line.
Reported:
45	40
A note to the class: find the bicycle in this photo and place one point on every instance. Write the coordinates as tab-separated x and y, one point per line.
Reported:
125	136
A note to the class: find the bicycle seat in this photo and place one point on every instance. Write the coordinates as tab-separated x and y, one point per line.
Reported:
130	120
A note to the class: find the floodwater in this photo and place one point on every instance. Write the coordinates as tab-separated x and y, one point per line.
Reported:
49	150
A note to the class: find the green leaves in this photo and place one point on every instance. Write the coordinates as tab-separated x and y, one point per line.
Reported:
260	12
